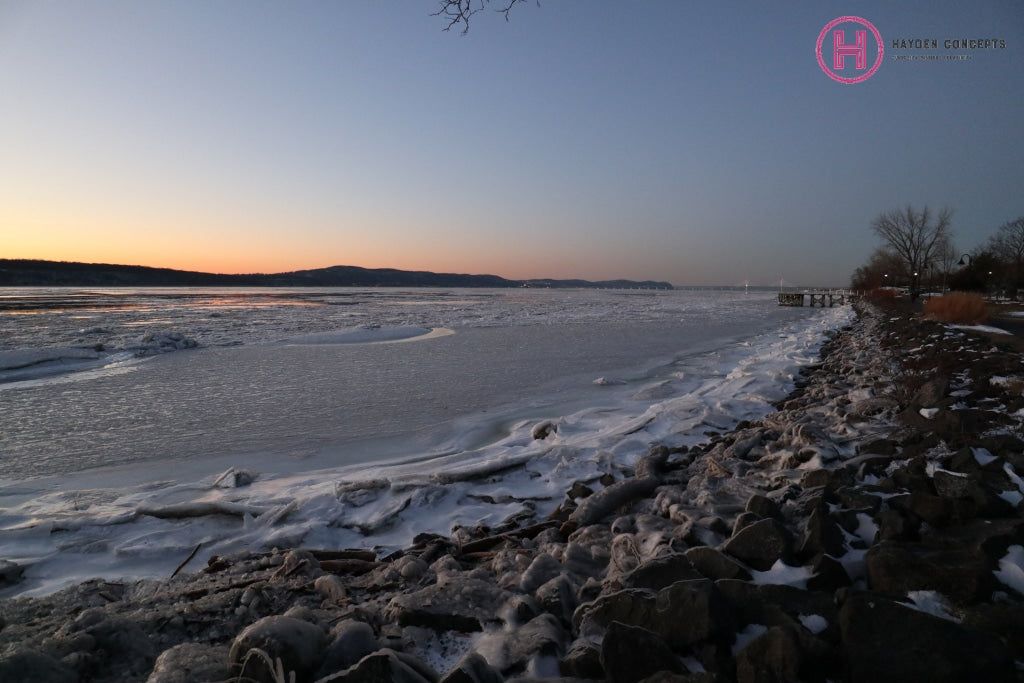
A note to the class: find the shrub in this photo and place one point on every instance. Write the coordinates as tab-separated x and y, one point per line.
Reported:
880	295
963	308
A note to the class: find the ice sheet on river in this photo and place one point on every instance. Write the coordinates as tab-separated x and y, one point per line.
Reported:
521	473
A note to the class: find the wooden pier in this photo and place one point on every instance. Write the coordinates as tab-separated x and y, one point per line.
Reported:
827	297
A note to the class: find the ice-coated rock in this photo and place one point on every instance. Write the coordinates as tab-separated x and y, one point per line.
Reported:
472	668
331	587
190	662
661	572
459	603
543	568
298	644
387	665
351	641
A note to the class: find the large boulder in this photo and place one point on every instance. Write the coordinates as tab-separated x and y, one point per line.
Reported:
631	653
351	641
959	574
298	644
761	544
459	604
885	642
189	662
30	666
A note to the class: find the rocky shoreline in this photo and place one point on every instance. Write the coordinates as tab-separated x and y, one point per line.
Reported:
870	529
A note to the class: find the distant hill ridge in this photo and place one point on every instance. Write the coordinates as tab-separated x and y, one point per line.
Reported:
35	273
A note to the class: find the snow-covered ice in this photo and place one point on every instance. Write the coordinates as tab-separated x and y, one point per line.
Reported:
1011	568
289	425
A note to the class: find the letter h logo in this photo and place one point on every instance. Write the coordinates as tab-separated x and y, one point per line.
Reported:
840	50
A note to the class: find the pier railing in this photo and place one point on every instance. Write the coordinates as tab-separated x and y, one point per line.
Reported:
818	297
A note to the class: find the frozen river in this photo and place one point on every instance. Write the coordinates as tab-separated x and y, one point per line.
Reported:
355	410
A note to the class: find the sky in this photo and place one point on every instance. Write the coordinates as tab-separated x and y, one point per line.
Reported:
697	143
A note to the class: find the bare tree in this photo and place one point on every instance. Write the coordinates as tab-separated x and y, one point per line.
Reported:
914	238
1008	245
946	258
883	269
459	11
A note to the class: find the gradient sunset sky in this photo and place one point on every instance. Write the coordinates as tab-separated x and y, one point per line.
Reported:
698	143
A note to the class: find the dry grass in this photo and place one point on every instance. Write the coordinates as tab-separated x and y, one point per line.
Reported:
882	295
962	308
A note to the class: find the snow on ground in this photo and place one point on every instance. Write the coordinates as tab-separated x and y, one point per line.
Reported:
982	328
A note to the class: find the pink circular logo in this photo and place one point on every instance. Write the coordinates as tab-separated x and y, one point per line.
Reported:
848	49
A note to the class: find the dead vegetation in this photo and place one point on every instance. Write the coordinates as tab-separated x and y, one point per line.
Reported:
962	308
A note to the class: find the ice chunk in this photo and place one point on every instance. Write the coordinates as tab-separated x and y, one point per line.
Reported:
933	603
815	623
982	456
1011	568
783	574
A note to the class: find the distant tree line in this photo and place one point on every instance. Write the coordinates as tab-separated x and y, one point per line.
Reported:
35	273
917	254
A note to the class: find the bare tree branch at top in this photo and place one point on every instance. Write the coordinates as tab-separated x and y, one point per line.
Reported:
914	238
459	11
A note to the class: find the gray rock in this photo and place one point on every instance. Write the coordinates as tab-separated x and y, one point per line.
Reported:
301	561
895	525
472	668
579	490
652	464
930	393
459	604
543	430
669	677
772	657
351	641
557	597
763	506
543	568
331	587
385	666
588	555
606	501
959	574
630	606
821	535
189	662
631	653
714	565
410	567
30	666
583	660
135	651
827	574
661	572
709	616
761	544
743	520
777	605
885	642
298	644
10	572
541	637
